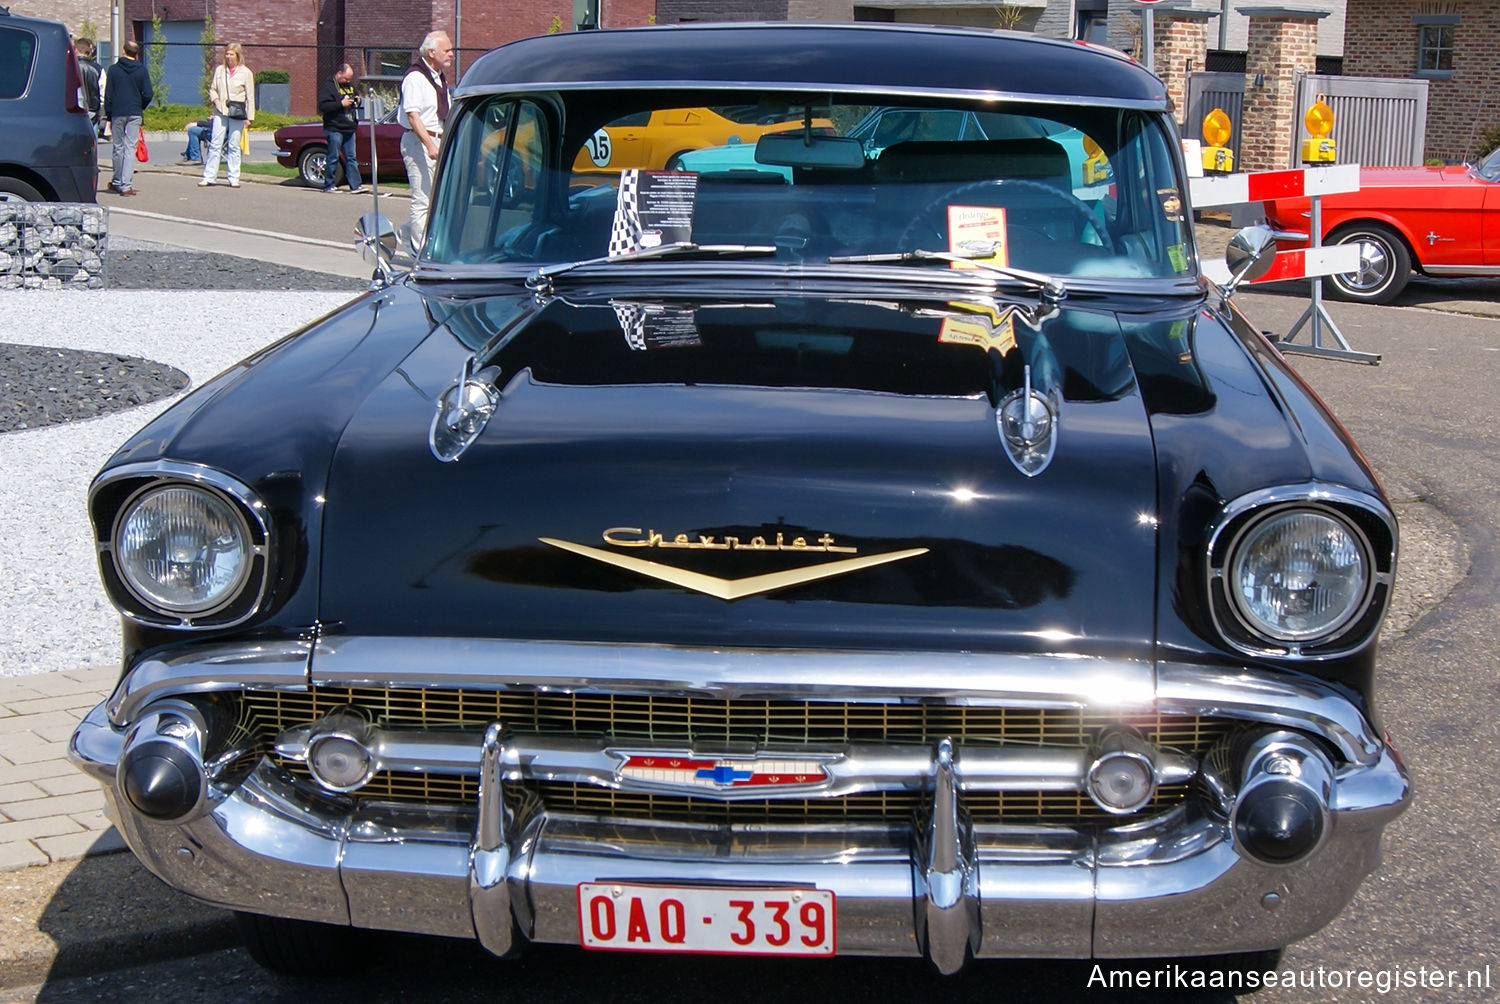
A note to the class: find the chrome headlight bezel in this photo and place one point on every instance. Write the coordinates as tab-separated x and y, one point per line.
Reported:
1372	529
117	494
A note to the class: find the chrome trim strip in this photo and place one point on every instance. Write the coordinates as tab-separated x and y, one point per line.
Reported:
247	501
277	665
1290	235
1053	682
1043	681
852	769
1461	269
1275	700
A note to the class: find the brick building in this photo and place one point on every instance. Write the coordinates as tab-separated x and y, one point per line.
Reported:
1453	44
376	37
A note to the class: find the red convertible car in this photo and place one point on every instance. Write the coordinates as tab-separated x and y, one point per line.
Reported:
1440	221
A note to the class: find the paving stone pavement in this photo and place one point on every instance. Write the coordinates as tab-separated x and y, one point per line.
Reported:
49	810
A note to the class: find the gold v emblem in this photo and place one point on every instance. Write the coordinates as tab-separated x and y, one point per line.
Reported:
733	589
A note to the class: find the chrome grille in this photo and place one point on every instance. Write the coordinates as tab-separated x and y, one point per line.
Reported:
679	721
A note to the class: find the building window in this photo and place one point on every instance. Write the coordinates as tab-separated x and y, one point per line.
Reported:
1435	45
1093	26
388	62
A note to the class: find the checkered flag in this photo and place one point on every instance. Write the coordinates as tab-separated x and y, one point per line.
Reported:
633	322
625	233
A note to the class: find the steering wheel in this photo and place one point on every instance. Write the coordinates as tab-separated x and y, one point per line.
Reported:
928	225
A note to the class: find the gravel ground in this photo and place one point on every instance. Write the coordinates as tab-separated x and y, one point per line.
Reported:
139	265
53	612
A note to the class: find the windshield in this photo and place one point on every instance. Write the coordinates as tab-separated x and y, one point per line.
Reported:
1075	191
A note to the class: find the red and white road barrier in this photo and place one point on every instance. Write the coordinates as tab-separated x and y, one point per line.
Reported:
1300	182
1305	182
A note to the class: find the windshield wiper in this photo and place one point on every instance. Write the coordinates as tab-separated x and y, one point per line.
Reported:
541	279
1049	289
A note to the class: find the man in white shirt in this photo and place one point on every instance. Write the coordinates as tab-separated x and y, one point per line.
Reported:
424	107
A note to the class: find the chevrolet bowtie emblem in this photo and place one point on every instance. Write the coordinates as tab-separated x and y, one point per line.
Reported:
735	589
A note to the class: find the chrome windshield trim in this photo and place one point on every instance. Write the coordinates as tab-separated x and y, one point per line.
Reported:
278	665
721	274
885	92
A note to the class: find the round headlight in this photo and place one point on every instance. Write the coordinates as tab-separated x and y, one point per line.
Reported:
1299	576
183	550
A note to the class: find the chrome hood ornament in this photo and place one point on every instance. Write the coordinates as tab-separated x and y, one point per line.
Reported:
463	410
1027	422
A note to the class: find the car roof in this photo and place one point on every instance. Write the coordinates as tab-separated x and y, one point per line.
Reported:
886	59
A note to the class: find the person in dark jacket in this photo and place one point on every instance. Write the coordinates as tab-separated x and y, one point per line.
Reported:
127	93
340	108
88	74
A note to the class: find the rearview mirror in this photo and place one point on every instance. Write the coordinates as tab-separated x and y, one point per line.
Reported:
836	153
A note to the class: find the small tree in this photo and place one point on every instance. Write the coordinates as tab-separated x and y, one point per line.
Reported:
156	58
88	29
555	26
209	44
1009	17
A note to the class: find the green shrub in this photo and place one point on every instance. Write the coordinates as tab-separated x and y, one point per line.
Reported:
272	77
175	118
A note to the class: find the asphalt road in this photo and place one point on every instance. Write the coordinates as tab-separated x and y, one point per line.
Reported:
261	203
1424	418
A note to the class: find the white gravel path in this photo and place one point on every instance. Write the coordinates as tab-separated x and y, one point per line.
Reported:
53	611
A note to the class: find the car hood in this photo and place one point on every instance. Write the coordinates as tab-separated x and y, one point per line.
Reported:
802	472
1415	177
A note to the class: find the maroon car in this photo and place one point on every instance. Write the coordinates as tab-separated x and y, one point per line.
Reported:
303	146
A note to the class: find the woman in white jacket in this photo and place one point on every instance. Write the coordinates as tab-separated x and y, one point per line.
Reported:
232	94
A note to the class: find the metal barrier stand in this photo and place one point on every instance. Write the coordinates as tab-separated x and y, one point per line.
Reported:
1318	315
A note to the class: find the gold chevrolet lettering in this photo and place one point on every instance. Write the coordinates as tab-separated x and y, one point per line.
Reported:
728	589
634	536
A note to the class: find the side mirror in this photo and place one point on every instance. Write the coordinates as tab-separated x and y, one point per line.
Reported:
1249	255
377	244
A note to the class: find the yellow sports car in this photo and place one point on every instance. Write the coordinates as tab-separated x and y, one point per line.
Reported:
652	140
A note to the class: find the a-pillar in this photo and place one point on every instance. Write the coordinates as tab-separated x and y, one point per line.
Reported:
1282	48
1181	50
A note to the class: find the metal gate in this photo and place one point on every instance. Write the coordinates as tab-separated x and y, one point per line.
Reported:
1377	121
1207	91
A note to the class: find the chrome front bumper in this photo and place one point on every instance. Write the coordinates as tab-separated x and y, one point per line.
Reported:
940	886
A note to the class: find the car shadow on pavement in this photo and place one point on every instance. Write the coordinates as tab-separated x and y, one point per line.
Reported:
109	911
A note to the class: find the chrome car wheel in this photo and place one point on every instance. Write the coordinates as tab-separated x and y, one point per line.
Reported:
312	166
1384	266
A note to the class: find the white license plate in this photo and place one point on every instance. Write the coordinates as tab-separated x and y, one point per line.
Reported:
735	920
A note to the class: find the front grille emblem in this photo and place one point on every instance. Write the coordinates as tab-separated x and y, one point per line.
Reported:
694	773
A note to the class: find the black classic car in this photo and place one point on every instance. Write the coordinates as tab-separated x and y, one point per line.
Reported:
850	552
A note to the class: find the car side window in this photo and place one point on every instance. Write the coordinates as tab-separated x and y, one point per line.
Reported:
488	198
17	53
